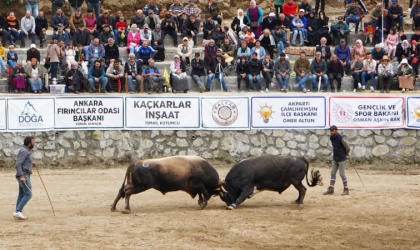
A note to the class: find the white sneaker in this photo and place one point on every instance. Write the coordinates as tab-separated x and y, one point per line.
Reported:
304	90
261	91
272	85
354	90
359	85
19	216
372	89
266	90
169	89
363	87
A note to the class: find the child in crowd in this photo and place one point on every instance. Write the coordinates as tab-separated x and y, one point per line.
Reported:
369	33
298	28
70	55
12	56
121	25
392	42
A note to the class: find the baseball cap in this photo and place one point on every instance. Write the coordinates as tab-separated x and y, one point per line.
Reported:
342	40
219	50
33	45
272	14
333	127
60	24
106	12
185	38
301	10
254	53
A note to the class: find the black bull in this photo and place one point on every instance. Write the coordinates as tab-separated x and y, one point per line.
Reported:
191	174
266	173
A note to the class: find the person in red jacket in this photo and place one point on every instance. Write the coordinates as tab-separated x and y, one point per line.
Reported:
290	8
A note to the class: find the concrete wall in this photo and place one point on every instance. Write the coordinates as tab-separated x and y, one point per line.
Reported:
82	148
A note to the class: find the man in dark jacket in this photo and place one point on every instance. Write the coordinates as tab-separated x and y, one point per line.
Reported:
133	72
32	52
75	78
82	37
138	19
41	26
115	19
341	151
335	72
208	27
324	49
3	29
397	13
198	72
55	4
319	73
58	18
168	27
269	22
103	20
218	36
242	70
106	34
215	70
112	52
13	27
75	5
191	27
388	24
254	71
151	6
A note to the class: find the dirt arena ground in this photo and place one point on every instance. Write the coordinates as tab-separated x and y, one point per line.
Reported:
384	215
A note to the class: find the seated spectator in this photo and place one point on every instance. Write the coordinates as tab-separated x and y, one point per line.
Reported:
267	42
75	78
343	55
168	27
153	78
302	68
306	6
176	10
133	39
335	72
282	71
218	36
75	21
61	34
244	51
391	42
385	74
151	6
280	39
323	27
369	70
216	70
369	33
397	13
198	73
254	71
231	36
242	71
18	78
116	79
319	70
158	43
298	28
388	23
269	22
236	24
415	14
133	72
405	75
3	29
290	9
185	51
214	11
121	26
112	53
268	72
58	18
312	29
284	23
27	28
401	37
70	53
357	69
260	50
145	53
32	52
339	30
228	53
146	34
190	28
3	68
41	26
324	49
90	20
106	34
96	51
82	37
12	56
80	56
358	48
209	52
97	76
353	15
404	51
138	19
102	21
13	28
116	30
34	74
247	36
152	20
208	27
376	13
179	79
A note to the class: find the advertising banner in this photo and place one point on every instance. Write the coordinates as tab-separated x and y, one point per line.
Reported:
163	112
3	108
366	112
30	114
413	112
89	113
225	113
288	112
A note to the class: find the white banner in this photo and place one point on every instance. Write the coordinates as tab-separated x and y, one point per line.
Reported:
162	112
89	113
3	120
412	112
367	112
288	112
30	114
225	113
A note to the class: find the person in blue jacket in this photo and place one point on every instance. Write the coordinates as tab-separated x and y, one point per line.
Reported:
343	54
145	53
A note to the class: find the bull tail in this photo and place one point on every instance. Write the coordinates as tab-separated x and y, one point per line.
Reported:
316	178
127	175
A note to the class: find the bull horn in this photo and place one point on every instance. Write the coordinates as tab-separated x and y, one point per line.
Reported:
223	189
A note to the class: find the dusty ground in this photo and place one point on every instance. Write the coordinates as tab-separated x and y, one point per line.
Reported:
384	215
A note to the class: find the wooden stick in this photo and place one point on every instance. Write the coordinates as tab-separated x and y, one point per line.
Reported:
45	189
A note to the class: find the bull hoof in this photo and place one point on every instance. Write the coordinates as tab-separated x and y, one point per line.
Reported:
113	209
126	211
300	206
230	208
293	202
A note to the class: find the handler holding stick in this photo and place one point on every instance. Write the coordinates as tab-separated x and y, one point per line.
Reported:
340	152
23	175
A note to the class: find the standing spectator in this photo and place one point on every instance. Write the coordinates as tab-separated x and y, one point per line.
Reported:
75	21
282	71
244	51
191	27
158	43
192	9
176	10
13	28
106	34
254	71
385	74
353	15
168	27
75	78
259	50
58	18
215	70
317	6
179	79
236	24
319	70
153	78
324	49
133	71
138	19
369	70
82	37
116	79
185	51
27	28
208	27
151	6
278	4
94	5
343	54
335	72
280	39
55	5
41	26
392	42
133	39
3	29
91	23
312	27
357	69
214	11
290	9
145	53
376	13
269	22
267	72
255	17
228	51
218	36
54	53
242	71
116	19
32	52
267	42
306	7
146	34
75	5
97	76
61	34
369	34
32	7
112	53
96	51
12	56
339	30
121	26
388	25
397	13
152	20
34	74
103	20
198	72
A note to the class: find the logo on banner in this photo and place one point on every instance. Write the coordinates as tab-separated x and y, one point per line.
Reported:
416	113
29	114
342	112
225	112
266	112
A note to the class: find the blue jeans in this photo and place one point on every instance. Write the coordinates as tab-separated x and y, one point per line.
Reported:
14	34
251	81
103	82
399	19
54	70
353	19
370	76
35	85
96	7
12	63
302	80
22	36
2	66
295	33
315	80
173	35
284	82
33	8
221	78
24	193
280	48
130	83
133	49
